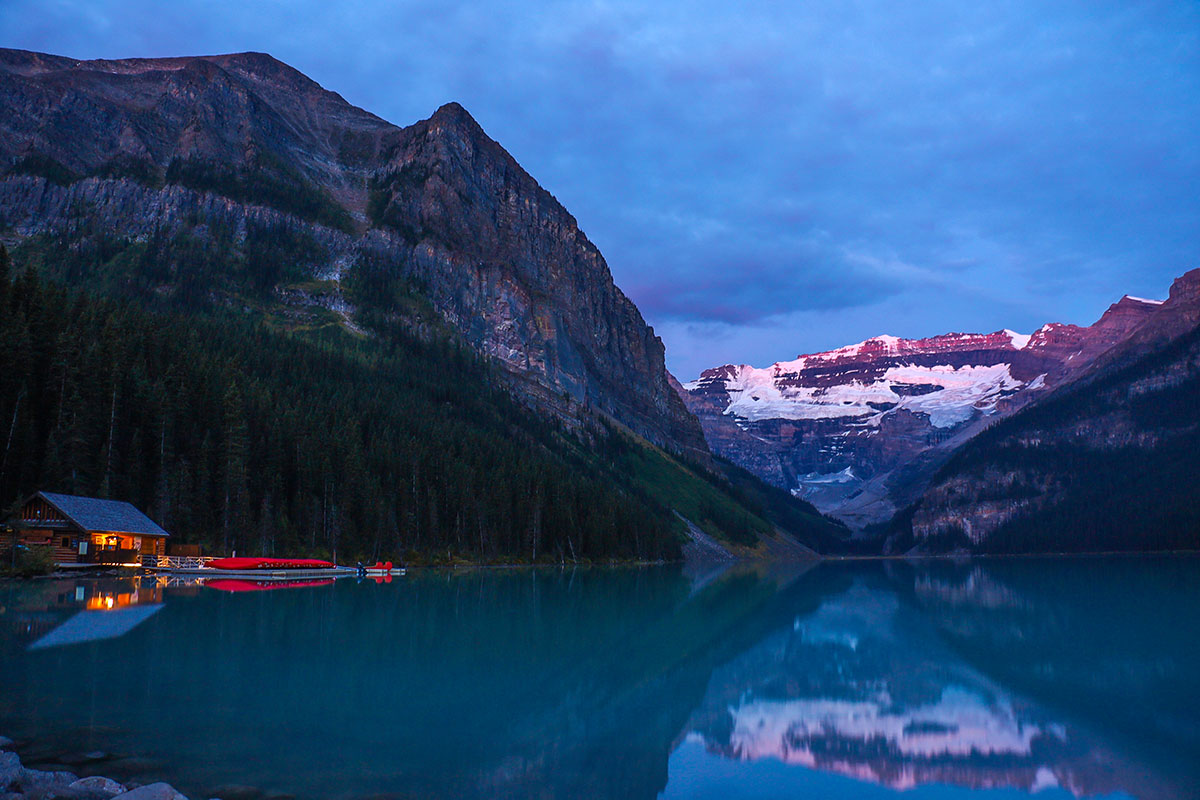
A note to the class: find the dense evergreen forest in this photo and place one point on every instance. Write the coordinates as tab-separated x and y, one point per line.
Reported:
240	433
244	438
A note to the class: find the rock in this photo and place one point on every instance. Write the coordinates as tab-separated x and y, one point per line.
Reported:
50	766
38	784
98	785
67	793
10	770
6	743
153	791
96	755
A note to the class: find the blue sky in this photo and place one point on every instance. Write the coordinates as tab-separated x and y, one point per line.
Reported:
767	179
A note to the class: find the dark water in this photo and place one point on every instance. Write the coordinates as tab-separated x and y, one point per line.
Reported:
996	679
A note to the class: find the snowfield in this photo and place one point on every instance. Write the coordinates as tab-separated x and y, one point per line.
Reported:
947	395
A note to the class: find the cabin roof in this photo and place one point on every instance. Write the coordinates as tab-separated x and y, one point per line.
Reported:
93	514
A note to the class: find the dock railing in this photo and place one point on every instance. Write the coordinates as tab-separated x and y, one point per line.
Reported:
176	562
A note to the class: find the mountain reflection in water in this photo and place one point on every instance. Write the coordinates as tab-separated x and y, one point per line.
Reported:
978	677
1061	677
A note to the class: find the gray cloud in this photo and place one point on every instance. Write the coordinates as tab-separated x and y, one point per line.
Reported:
780	175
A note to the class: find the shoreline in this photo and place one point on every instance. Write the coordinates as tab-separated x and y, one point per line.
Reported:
138	572
20	782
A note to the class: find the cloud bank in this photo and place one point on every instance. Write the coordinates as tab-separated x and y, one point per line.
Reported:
769	179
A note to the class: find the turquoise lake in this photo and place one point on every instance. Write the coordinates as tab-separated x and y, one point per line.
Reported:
976	679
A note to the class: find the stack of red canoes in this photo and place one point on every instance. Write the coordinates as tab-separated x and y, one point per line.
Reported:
270	563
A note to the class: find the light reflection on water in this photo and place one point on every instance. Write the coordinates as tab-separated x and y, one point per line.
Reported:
1064	678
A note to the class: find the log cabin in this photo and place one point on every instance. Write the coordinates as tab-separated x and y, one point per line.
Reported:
85	530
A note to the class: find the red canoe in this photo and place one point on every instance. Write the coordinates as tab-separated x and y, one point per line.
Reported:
235	585
270	563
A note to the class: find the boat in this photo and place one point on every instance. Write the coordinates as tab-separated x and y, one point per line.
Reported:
379	567
276	569
243	564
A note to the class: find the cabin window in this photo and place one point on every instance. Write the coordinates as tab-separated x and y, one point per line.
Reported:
66	542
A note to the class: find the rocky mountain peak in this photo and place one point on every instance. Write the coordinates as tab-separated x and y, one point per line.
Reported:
453	115
1126	314
835	427
1186	288
167	145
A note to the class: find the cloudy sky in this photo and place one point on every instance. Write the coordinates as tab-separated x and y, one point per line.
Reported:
768	179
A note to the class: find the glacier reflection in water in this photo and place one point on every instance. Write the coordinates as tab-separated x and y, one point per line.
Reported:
1060	678
1076	678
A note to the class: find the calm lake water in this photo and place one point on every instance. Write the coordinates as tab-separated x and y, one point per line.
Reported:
983	679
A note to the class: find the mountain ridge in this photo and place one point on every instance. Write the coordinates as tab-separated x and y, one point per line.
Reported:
858	430
179	137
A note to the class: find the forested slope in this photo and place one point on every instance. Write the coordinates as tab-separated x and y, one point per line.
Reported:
266	432
245	437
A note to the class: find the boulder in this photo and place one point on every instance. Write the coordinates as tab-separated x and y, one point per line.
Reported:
98	785
10	770
37	784
6	743
153	791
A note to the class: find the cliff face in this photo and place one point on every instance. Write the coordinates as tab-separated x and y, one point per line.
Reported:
857	430
143	147
509	266
1107	462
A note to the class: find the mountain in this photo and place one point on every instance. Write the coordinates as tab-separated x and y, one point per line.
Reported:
322	320
858	430
1107	462
242	147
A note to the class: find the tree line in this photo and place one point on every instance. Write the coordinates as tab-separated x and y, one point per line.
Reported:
239	435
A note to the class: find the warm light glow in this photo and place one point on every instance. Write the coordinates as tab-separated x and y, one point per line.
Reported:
107	602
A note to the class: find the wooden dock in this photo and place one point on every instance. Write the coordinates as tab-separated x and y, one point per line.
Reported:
273	574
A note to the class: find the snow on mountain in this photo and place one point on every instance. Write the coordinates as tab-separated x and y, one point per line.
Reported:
1019	340
869	409
879	376
946	394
